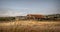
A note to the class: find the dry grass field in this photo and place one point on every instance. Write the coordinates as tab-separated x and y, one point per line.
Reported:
30	26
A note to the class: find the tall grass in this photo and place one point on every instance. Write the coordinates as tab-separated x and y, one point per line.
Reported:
30	26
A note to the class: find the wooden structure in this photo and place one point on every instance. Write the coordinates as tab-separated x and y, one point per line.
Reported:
35	16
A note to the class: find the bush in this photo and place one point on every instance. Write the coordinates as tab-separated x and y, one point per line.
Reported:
7	18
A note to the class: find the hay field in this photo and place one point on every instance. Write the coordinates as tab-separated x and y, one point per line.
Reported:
30	26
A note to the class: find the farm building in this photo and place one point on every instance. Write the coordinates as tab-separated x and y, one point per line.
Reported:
36	16
43	17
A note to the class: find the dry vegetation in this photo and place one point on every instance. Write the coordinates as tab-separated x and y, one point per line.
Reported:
30	26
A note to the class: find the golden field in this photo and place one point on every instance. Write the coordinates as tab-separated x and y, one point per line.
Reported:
30	26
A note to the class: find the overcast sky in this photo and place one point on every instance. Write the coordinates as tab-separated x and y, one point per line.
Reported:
23	7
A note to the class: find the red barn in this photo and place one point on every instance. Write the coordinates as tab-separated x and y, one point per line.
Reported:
35	16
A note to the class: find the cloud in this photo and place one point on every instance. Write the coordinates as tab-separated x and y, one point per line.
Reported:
25	11
12	12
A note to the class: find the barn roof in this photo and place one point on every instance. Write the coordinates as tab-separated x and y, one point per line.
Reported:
35	14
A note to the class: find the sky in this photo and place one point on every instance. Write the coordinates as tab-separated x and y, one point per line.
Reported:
24	7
